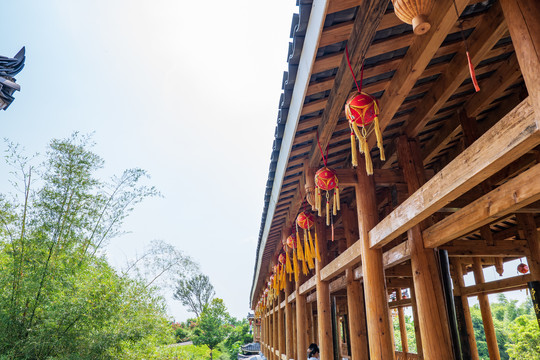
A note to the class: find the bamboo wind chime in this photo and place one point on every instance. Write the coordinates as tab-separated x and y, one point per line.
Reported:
362	111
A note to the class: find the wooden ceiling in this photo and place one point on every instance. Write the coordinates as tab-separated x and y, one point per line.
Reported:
422	84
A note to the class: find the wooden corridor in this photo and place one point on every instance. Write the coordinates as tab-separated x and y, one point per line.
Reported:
459	190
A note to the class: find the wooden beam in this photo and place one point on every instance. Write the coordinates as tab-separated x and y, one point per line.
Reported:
524	27
400	303
308	285
502	285
416	60
352	256
508	197
483	38
403	270
397	282
369	15
505	76
397	255
506	141
478	248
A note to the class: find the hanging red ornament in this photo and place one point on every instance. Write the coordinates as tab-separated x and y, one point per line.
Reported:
327	180
362	111
523	268
297	254
306	221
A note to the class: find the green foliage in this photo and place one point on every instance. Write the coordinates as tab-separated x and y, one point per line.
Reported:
411	339
213	325
181	332
524	338
518	334
168	352
239	335
59	299
195	292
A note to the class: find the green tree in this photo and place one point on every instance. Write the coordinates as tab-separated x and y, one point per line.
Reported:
58	296
195	293
517	338
213	325
238	336
524	338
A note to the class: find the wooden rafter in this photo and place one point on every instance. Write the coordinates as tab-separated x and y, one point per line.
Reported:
506	141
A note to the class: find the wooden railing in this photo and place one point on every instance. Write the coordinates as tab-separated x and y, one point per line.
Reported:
406	356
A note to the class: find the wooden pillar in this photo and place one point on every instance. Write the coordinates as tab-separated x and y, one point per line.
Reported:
311	327
281	325
355	294
528	231
275	338
301	324
524	26
417	335
458	285
381	343
324	312
263	334
294	342
402	325
434	328
266	334
288	322
485	309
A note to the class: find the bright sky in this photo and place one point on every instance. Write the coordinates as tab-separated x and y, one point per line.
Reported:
187	90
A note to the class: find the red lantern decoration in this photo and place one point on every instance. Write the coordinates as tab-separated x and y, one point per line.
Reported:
306	221
297	254
326	179
362	111
291	241
523	268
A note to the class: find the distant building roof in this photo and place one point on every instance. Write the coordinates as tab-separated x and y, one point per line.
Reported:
251	348
9	67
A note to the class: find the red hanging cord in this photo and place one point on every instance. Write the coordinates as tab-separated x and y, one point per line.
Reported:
325	158
471	66
359	88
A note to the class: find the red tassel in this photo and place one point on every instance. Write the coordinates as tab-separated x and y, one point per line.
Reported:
473	75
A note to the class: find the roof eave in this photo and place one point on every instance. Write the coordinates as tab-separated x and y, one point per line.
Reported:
307	59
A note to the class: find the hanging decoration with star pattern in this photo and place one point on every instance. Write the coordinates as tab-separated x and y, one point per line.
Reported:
362	111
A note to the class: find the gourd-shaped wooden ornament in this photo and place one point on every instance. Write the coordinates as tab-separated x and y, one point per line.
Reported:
414	12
